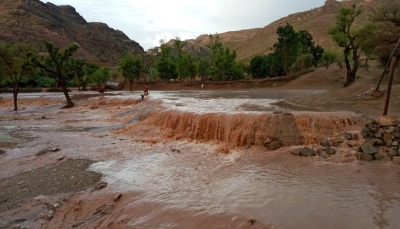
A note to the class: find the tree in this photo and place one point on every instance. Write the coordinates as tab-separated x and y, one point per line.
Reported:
166	67
328	58
258	67
56	64
349	39
89	69
101	75
178	45
387	33
78	66
203	69
14	64
131	68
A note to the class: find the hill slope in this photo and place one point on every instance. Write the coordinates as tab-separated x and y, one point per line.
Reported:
34	21
251	42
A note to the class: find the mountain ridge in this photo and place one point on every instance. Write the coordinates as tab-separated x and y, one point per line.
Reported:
33	21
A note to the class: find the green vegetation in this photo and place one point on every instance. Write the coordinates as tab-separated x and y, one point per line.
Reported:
328	58
350	39
132	68
293	52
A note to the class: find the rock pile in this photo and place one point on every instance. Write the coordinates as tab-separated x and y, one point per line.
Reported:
382	138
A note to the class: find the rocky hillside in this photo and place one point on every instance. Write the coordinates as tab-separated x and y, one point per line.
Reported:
251	42
33	21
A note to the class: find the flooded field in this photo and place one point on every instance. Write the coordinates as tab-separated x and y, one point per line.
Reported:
189	159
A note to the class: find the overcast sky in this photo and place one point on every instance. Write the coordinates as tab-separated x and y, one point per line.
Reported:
148	21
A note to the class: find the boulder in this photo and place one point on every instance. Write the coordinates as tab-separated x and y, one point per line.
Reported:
365	133
274	145
347	136
366	157
330	151
307	152
395	143
393	152
295	151
2	152
379	142
389	120
324	155
337	142
368	148
379	157
325	143
396	160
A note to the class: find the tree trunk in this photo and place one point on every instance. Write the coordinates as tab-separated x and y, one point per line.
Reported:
366	66
70	104
350	77
77	81
15	96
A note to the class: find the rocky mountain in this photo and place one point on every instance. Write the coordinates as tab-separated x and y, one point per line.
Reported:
251	42
32	21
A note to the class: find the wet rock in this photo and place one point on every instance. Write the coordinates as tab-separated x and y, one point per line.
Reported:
392	152
2	152
295	152
396	160
368	148
366	157
378	135
99	186
390	129
330	151
395	143
396	135
387	120
352	144
307	152
117	197
320	151
355	136
365	133
267	141
337	142
274	145
325	143
387	137
379	157
347	136
324	155
389	143
379	142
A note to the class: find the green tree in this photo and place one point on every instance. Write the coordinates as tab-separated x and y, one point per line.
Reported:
165	65
349	39
101	75
131	68
55	63
258	67
178	45
203	69
14	65
89	70
78	66
328	58
153	73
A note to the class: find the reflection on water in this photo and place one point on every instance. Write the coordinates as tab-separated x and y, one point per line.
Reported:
287	192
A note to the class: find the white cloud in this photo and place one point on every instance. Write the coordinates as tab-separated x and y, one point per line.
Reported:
151	20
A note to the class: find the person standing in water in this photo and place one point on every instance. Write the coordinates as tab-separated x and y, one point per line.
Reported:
101	90
146	89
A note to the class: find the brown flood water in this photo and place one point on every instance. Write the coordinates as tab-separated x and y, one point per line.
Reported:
187	183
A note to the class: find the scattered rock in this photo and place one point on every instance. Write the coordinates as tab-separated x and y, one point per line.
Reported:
379	157
325	143
365	133
252	221
355	136
347	136
352	144
117	197
321	150
99	186
60	158
393	152
366	157
307	152
395	143
379	142
389	143
368	148
378	135
2	152
295	151
387	121
387	137
274	145
324	155
337	142
396	160
267	141
330	151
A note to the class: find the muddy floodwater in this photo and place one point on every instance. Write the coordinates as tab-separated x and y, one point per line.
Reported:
188	159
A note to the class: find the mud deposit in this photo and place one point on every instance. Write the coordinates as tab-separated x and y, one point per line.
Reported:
188	160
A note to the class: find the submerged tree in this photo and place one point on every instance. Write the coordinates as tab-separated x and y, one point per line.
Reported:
14	65
349	39
55	63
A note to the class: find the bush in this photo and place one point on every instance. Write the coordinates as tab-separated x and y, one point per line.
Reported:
302	63
43	81
328	58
